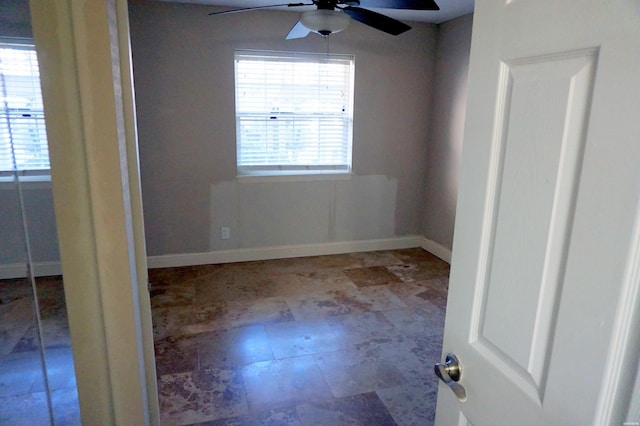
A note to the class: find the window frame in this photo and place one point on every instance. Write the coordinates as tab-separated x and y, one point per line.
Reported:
298	171
24	174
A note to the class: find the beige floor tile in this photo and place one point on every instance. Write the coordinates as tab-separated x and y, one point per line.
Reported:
274	384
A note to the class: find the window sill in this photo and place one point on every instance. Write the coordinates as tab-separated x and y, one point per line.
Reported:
27	182
264	178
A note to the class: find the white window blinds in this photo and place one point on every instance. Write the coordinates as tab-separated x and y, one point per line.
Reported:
294	112
23	138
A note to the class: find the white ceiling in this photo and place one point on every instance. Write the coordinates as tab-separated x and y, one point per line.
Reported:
449	9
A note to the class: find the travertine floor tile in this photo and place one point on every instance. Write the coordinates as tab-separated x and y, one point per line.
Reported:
416	322
289	339
66	411
371	276
174	294
55	331
415	295
176	354
274	384
16	317
379	298
30	409
60	370
18	372
223	315
320	303
410	405
201	395
352	372
325	303
235	347
304	283
22	397
286	416
362	327
329	340
411	272
416	254
24	409
170	321
376	258
364	409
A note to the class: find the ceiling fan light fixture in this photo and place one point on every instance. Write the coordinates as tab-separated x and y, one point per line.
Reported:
325	22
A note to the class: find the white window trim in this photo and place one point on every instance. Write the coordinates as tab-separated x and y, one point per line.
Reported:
262	173
27	182
314	176
31	177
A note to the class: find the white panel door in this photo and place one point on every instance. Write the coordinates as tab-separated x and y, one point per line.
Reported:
546	257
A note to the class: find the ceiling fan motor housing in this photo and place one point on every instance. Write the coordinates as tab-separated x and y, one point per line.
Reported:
325	21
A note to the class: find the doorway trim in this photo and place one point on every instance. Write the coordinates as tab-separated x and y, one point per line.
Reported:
84	55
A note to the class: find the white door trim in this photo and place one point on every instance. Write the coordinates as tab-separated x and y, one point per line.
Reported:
83	53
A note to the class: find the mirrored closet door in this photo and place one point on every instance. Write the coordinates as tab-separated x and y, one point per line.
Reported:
37	378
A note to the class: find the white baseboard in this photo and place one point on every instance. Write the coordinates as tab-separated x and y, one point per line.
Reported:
40	269
17	270
281	252
436	249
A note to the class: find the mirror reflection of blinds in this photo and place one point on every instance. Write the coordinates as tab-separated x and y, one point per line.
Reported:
294	112
23	139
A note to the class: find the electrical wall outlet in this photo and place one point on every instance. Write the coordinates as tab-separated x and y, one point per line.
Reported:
225	232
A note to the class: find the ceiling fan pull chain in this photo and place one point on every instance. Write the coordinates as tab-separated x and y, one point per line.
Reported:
327	64
327	38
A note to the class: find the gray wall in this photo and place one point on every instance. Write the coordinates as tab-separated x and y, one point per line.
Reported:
447	124
183	71
406	169
15	19
38	203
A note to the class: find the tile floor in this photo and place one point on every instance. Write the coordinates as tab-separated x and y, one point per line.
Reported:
22	390
330	340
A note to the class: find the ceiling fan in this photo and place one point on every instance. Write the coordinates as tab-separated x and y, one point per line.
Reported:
332	16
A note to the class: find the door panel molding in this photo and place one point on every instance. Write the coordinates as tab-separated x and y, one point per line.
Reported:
567	80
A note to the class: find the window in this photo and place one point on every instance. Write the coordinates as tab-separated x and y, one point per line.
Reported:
23	138
294	113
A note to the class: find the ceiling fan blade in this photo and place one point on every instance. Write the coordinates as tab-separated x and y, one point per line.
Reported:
376	20
246	9
298	31
401	4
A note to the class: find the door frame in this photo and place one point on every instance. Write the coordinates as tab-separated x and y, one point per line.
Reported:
84	54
